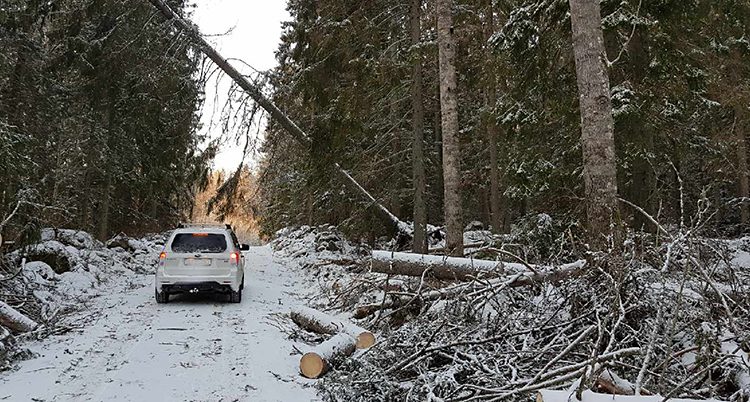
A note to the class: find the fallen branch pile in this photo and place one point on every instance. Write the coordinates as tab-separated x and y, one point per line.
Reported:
665	315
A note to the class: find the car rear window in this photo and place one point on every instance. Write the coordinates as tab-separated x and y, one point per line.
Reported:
199	243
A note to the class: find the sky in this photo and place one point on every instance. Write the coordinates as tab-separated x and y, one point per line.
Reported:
247	30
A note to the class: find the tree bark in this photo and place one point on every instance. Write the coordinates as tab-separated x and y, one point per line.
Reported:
597	123
451	142
418	170
384	215
742	173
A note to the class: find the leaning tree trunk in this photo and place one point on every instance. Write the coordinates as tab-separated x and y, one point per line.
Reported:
383	214
597	123
418	172
451	145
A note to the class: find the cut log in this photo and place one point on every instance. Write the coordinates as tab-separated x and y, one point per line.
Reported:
15	320
319	360
322	323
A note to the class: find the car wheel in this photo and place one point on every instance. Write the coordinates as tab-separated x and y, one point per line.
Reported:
162	297
235	297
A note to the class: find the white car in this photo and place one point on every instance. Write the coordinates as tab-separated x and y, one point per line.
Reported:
201	258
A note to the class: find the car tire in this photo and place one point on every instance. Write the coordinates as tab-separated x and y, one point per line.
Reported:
235	297
242	284
162	297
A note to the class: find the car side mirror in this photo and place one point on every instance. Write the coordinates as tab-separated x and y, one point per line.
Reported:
244	247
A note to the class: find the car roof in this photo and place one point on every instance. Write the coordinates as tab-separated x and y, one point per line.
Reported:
215	230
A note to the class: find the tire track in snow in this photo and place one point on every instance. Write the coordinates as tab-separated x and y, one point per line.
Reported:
194	348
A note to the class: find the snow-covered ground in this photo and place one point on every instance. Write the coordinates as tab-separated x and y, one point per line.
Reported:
192	349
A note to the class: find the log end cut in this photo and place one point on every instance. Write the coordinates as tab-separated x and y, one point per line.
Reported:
365	340
312	365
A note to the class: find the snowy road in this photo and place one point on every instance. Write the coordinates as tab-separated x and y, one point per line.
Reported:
192	349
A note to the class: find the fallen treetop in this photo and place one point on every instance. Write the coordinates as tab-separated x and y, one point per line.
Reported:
384	215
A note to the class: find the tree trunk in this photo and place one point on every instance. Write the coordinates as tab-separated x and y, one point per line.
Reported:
418	172
451	142
637	132
103	220
321	323
319	360
496	209
439	267
436	213
386	217
14	320
742	173
597	123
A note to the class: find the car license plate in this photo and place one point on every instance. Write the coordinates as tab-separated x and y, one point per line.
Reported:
198	262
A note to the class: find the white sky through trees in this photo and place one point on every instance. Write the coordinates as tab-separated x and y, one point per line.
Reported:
247	30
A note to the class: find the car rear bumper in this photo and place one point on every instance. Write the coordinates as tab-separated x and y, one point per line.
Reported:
197	287
177	284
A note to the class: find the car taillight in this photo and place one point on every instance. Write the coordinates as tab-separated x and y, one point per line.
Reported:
234	258
162	257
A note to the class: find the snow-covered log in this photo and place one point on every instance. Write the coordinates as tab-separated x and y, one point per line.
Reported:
450	268
547	395
15	320
322	323
453	268
527	278
319	360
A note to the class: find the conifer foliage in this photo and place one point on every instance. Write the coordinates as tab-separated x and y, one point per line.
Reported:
677	74
98	116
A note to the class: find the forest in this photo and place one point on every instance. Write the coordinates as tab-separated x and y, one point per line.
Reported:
99	111
364	77
450	200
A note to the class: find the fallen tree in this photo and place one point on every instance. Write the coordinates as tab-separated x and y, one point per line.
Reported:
449	268
321	323
319	360
383	214
474	288
453	268
15	320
